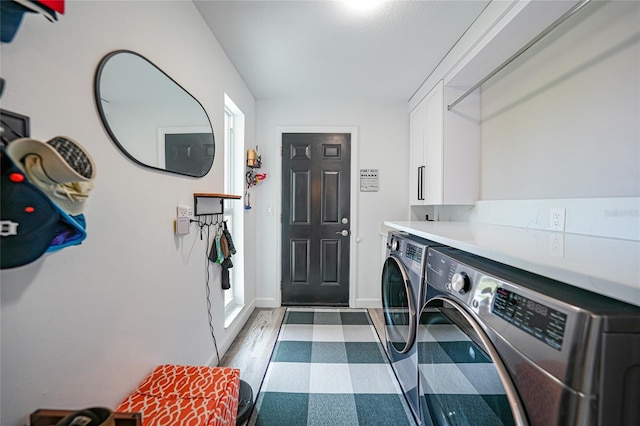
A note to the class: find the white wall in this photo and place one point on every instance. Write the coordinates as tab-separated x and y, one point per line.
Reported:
560	129
383	132
82	326
562	121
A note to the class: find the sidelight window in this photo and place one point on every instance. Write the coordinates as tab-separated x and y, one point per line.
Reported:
233	184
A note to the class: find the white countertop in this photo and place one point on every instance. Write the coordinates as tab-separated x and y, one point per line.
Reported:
606	266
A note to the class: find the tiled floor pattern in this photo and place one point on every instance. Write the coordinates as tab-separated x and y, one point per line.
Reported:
329	368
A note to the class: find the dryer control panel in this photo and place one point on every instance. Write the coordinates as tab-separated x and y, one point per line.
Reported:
445	274
412	250
540	321
487	295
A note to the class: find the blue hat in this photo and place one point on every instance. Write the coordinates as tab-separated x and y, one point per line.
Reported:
27	218
11	18
30	223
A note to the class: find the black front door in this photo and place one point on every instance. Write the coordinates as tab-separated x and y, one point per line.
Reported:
189	153
316	218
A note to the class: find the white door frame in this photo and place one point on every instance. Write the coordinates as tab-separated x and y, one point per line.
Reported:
353	251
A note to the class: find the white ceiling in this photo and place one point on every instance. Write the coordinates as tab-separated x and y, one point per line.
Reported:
322	49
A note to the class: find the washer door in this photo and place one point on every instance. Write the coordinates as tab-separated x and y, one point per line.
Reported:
463	381
398	304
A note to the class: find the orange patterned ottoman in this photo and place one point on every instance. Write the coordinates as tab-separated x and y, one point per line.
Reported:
187	396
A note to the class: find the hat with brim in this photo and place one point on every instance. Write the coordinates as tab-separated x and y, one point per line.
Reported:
63	159
60	167
10	19
28	218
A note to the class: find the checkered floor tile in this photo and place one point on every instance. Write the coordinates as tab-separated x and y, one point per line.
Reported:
329	368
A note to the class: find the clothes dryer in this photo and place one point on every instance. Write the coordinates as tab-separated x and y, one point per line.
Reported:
498	345
402	289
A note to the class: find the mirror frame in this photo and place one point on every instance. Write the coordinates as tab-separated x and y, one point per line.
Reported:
107	127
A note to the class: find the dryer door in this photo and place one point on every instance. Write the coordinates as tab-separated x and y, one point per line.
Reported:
398	304
462	378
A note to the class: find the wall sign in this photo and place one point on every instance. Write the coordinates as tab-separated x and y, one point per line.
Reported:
368	180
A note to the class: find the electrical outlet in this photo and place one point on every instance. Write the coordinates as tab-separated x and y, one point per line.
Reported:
556	245
183	211
556	219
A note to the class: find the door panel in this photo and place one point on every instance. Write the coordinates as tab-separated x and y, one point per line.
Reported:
330	262
316	176
330	190
299	261
301	200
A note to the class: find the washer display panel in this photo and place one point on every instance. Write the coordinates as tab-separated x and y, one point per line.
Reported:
460	383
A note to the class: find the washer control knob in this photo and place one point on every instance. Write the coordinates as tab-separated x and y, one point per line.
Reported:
460	282
395	245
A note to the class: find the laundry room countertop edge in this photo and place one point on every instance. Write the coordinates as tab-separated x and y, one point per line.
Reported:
606	266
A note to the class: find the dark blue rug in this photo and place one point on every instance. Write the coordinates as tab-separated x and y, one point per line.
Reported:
329	368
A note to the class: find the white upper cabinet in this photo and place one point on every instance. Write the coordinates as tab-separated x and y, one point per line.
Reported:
444	149
417	135
445	144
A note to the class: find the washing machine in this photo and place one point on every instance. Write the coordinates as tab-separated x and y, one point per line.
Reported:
402	289
498	345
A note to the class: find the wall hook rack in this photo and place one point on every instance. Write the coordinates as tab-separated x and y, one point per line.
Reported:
208	220
211	204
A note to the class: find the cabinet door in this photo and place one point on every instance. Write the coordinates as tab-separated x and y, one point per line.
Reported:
434	146
445	150
417	126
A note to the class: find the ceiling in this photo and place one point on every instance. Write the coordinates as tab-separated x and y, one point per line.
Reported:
323	49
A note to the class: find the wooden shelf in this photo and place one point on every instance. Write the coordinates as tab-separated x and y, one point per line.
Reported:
207	203
210	195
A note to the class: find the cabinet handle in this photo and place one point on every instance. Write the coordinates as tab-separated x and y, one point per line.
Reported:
424	169
421	183
419	180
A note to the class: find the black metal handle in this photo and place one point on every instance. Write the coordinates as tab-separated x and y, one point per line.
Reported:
421	183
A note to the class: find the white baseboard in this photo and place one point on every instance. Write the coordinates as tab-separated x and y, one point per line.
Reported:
359	303
267	303
368	303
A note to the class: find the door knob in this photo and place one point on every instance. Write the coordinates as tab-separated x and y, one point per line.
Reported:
344	233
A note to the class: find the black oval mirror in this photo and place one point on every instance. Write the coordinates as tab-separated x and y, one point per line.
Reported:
151	118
